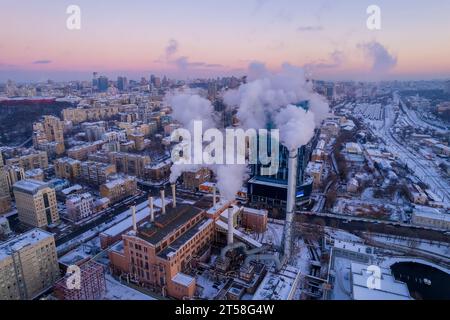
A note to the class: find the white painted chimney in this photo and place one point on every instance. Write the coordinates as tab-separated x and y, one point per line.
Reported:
290	206
214	195
174	196
152	212
230	226
163	202
133	217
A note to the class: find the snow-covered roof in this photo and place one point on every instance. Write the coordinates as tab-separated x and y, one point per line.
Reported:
29	238
183	279
388	288
430	213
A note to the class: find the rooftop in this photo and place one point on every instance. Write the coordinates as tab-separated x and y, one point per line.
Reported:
16	244
29	186
167	223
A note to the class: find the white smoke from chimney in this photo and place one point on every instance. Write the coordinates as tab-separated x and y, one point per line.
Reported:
267	97
296	126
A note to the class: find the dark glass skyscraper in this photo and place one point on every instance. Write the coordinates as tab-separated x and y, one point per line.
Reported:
271	191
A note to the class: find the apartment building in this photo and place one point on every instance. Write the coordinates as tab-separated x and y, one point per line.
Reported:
96	173
28	265
68	168
118	189
36	203
80	206
129	163
81	152
33	160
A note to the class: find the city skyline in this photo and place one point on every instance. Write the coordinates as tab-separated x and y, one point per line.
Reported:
213	39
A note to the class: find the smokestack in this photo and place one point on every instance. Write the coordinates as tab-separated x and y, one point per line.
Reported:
152	212
133	217
214	195
174	196
230	226
163	202
291	195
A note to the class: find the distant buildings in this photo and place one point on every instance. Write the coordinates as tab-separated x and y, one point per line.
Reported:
103	84
78	115
36	203
67	168
96	173
81	152
31	160
118	189
28	265
48	135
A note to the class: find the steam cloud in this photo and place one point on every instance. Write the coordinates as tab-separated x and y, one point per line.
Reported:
382	60
266	97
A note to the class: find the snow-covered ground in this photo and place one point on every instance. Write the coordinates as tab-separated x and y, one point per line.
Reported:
117	291
418	244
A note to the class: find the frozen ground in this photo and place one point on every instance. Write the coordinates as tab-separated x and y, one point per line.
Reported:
117	291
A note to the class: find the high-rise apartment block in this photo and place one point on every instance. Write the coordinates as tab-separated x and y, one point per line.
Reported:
28	265
36	203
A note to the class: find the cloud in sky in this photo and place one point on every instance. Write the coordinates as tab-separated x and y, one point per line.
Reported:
171	48
184	63
335	60
310	28
382	60
42	61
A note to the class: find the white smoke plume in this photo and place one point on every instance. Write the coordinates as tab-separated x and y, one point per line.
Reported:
267	94
296	126
266	97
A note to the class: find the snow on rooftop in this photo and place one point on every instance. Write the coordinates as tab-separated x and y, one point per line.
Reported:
239	235
278	285
430	213
183	279
389	288
117	291
29	238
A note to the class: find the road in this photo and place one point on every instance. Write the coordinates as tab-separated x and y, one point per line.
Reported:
106	217
353	224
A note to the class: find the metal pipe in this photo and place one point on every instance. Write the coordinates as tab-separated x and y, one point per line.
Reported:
163	202
230	226
291	195
174	196
133	217
152	212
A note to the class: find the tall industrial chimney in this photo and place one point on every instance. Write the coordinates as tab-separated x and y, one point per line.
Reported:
291	195
214	195
133	217
163	202
152	212
230	226
174	196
